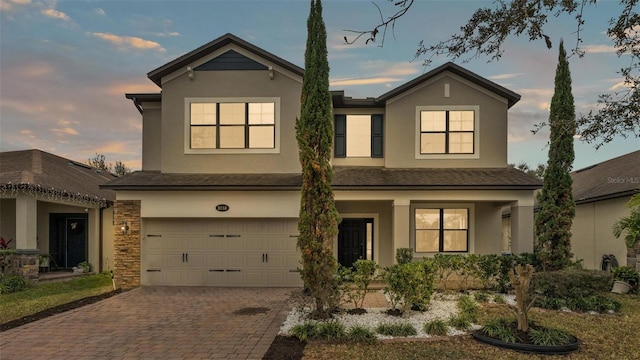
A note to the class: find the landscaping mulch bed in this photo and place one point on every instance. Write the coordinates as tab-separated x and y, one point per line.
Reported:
285	348
57	310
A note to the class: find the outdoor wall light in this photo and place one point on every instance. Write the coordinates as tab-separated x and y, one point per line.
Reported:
124	228
190	73
271	72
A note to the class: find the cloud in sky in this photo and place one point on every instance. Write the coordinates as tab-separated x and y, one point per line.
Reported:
505	76
100	12
129	41
53	13
8	5
600	49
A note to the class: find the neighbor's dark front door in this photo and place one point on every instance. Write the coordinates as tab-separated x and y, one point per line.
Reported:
68	240
352	241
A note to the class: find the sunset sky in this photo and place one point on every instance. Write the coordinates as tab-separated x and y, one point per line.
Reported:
65	66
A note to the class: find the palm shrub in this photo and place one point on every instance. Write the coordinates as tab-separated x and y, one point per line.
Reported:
629	226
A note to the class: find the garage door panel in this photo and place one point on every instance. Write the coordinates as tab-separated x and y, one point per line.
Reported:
220	252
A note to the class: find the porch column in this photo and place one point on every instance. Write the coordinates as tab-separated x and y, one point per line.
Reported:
521	229
401	225
26	222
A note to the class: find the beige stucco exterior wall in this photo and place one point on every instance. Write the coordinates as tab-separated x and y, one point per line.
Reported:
230	84
202	204
591	232
487	231
151	136
381	211
400	123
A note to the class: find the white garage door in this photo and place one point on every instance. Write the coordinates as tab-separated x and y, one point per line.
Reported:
220	252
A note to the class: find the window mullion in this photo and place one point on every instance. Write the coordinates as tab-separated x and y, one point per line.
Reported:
217	125
446	135
441	242
246	125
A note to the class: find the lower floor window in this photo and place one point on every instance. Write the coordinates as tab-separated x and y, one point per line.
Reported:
441	230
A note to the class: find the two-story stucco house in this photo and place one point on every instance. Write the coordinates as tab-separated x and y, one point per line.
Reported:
216	203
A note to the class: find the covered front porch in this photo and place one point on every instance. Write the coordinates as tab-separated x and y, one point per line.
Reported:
376	223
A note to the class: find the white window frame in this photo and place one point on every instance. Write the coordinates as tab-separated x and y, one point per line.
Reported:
426	205
187	124
476	132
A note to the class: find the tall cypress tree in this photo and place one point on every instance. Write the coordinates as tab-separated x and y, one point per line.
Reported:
557	208
318	224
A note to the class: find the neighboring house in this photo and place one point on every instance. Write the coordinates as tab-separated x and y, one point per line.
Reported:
52	205
423	166
601	192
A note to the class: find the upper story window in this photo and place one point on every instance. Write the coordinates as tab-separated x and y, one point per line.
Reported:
358	136
447	132
232	125
441	230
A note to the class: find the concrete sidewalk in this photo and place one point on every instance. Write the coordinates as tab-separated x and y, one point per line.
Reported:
158	323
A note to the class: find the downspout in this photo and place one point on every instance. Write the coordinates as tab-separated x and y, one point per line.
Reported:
100	240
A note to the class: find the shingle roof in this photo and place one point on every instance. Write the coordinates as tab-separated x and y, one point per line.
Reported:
51	173
613	178
511	96
345	178
186	59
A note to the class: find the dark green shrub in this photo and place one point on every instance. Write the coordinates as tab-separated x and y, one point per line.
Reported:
549	336
330	331
498	299
305	331
409	284
570	283
468	307
436	327
597	303
460	322
501	328
404	255
627	274
361	334
481	296
397	330
13	283
446	266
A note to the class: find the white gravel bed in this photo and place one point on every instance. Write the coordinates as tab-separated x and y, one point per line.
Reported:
442	307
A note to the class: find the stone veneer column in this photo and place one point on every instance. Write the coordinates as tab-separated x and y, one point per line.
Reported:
126	257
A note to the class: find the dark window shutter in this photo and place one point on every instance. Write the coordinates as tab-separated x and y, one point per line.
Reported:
340	131
377	130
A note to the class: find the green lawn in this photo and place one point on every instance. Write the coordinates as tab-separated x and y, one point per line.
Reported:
43	296
602	336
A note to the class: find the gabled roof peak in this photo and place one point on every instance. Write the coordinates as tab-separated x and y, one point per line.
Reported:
511	96
226	39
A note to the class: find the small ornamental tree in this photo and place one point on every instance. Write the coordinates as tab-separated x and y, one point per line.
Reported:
557	208
318	224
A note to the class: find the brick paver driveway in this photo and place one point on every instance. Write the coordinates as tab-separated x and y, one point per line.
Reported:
157	323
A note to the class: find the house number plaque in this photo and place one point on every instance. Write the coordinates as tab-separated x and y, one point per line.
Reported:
222	207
